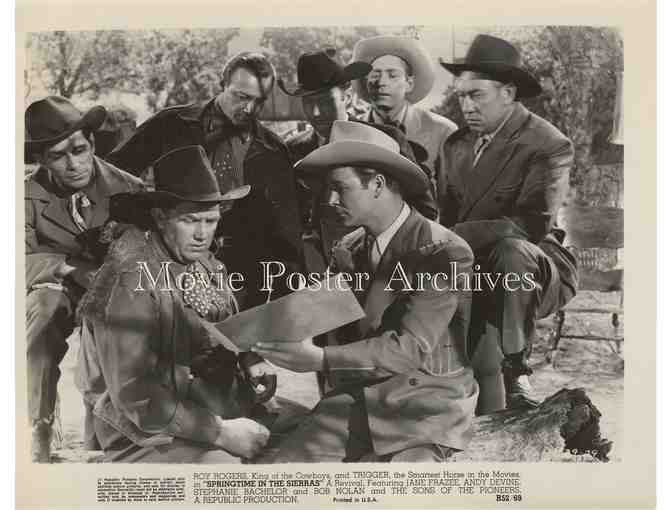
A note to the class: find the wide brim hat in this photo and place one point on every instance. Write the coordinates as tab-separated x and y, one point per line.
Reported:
185	175
360	145
320	71
406	48
499	59
53	119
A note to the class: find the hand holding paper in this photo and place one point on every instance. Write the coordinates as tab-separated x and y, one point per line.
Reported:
297	356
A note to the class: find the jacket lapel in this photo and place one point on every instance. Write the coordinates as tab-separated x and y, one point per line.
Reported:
41	189
377	298
479	179
412	121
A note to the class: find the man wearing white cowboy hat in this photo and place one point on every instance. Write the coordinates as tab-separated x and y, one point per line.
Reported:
156	387
65	198
506	174
401	388
403	75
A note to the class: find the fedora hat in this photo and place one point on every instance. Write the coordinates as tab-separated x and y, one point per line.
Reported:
499	59
361	145
408	49
321	71
53	119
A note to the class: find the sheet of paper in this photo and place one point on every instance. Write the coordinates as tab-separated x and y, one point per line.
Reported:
295	317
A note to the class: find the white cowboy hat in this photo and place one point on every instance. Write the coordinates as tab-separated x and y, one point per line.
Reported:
406	48
360	145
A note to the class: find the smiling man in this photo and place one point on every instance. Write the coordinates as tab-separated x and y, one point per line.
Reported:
143	350
506	175
65	198
265	226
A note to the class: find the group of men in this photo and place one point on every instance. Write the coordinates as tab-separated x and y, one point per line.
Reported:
401	186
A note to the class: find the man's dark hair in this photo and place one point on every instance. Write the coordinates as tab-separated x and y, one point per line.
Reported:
255	63
503	79
41	150
366	174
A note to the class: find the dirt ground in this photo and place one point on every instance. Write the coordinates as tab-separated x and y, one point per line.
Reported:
592	365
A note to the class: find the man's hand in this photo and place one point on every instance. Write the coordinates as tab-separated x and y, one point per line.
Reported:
297	356
242	437
80	271
259	370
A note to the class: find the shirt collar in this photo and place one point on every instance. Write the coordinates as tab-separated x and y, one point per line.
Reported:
383	239
400	118
492	135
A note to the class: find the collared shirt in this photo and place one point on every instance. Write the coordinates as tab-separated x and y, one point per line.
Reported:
90	196
399	119
383	239
483	141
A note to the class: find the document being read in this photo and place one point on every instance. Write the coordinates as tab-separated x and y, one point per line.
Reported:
306	313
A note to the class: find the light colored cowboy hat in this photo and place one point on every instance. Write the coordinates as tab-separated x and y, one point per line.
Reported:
53	119
361	145
406	48
499	59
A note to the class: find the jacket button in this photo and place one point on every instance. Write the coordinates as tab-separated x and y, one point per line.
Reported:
413	381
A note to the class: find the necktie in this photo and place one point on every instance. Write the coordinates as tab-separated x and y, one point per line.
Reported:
80	210
481	144
374	252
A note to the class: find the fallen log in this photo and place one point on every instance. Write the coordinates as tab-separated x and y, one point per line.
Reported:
565	421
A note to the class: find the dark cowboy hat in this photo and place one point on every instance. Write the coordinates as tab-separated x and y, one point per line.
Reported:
185	175
500	60
181	175
357	144
53	119
320	71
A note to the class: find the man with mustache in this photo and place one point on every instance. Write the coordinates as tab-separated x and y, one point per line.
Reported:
506	175
264	226
67	197
403	75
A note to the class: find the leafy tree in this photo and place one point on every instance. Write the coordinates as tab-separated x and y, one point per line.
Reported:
167	67
285	45
180	66
81	63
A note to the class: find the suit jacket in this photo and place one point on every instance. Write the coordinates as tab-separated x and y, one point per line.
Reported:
265	225
51	234
321	217
429	130
409	352
515	189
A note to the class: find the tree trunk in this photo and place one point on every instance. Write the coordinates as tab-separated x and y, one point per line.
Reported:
564	421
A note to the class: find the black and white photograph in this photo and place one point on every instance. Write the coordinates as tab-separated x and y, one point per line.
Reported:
376	244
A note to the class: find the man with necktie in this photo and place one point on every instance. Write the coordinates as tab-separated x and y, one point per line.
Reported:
506	175
265	225
399	384
402	76
66	197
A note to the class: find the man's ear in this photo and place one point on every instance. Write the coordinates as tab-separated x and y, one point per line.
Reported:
510	93
379	183
410	84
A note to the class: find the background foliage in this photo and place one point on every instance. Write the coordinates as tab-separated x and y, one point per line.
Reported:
577	66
